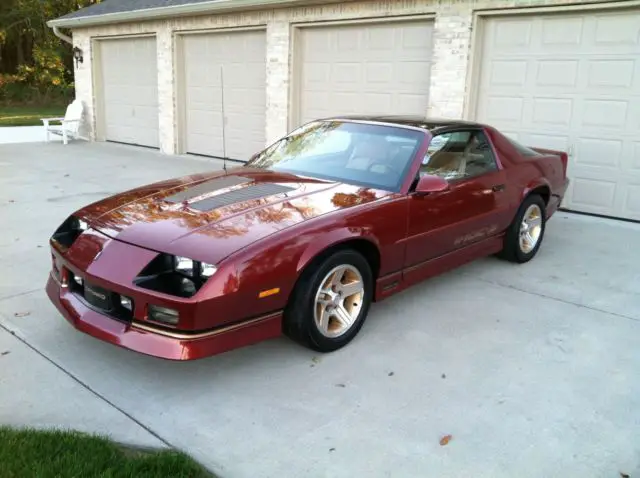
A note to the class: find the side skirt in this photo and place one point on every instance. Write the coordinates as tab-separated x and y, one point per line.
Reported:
393	283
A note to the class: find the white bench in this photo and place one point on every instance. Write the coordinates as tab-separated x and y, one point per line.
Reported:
69	125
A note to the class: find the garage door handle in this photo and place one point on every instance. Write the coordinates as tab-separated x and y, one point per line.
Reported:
498	188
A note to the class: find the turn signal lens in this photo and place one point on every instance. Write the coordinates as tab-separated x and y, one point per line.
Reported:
163	314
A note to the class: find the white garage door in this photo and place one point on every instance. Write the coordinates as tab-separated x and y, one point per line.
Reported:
370	68
571	82
233	63
130	90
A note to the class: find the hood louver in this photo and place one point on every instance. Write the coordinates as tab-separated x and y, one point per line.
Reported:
207	187
240	195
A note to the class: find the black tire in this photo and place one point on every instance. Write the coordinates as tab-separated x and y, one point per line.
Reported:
299	322
512	250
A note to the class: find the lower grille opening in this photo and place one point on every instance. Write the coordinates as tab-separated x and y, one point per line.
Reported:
102	300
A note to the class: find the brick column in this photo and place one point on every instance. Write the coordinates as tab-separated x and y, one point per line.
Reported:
167	126
452	40
277	92
82	75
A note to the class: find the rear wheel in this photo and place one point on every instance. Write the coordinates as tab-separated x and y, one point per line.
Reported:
524	236
330	301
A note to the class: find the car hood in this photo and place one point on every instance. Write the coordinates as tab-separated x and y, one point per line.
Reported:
209	216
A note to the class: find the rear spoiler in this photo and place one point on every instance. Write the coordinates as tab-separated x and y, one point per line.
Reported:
564	157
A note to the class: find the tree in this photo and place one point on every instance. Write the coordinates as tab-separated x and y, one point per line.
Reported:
32	56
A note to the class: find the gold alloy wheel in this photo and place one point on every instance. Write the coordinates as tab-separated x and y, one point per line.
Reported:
530	228
339	301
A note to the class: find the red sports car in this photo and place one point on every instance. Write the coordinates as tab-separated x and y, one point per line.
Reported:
339	213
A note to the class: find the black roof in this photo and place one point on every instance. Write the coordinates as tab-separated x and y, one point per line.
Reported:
415	121
120	6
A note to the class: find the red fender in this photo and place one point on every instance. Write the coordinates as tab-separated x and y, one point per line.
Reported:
330	239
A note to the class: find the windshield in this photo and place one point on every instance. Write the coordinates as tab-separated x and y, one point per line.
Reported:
370	155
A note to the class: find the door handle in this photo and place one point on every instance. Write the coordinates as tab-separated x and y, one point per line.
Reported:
498	188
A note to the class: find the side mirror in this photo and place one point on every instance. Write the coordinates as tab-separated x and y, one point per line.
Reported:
431	184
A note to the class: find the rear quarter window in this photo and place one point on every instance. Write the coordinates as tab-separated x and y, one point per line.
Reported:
523	150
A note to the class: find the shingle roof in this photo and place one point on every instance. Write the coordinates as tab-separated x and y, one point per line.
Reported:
121	6
113	11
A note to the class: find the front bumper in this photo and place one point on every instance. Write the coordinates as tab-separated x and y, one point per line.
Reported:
146	339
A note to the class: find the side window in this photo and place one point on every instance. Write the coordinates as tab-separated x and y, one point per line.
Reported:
459	155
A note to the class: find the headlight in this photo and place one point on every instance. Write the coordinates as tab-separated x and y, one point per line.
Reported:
82	225
195	269
184	265
207	270
175	275
69	231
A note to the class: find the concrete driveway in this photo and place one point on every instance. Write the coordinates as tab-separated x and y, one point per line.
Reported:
533	369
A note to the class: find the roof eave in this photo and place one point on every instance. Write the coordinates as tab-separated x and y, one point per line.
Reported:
214	6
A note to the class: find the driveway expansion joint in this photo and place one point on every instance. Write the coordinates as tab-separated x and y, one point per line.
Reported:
88	388
557	299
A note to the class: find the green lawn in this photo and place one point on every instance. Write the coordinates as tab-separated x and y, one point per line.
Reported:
28	115
43	454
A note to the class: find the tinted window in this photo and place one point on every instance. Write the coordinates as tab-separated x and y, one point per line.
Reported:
370	155
459	155
523	150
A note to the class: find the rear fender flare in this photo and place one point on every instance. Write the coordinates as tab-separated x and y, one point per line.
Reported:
536	183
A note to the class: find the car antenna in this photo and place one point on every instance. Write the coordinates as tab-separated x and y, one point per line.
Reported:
224	147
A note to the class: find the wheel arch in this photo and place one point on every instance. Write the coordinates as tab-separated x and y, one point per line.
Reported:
366	246
540	187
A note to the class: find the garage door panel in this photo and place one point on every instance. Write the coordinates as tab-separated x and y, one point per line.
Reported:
563	73
410	104
633	125
594	193
411	73
209	142
204	98
511	34
129	89
508	73
632	201
635	158
504	109
549	141
552	111
379	40
378	73
605	113
607	73
204	120
247	100
565	31
570	82
238	58
600	152
415	41
364	69
617	29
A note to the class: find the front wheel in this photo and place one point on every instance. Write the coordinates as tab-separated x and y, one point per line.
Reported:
330	301
524	236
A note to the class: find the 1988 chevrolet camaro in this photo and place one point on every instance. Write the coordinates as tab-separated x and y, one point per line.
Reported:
302	238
